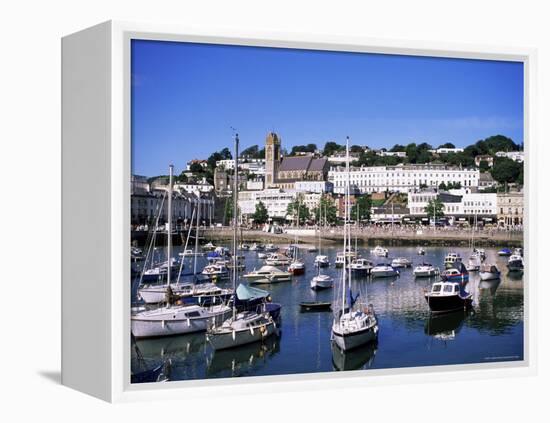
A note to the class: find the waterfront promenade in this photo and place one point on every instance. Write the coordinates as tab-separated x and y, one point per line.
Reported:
368	235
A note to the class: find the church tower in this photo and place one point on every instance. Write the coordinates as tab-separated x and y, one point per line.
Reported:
272	158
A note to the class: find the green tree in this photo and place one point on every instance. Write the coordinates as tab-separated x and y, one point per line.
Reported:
260	214
447	145
250	152
434	208
361	208
331	148
483	166
325	210
442	186
298	208
182	178
196	168
506	170
398	147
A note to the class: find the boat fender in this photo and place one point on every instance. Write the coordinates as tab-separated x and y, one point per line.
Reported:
252	331
188	323
233	335
163	324
263	330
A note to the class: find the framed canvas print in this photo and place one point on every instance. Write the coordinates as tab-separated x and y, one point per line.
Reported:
265	211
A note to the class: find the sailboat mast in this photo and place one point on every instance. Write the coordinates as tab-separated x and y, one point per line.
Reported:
196	238
169	227
235	218
348	216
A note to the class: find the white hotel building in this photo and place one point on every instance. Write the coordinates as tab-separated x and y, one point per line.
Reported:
400	178
275	200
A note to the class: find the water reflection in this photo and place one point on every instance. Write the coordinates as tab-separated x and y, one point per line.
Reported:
359	358
445	327
494	329
241	361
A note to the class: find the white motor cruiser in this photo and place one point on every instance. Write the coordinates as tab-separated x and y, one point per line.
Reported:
425	270
451	259
380	251
268	274
361	266
383	270
321	281
322	261
276	259
489	272
401	262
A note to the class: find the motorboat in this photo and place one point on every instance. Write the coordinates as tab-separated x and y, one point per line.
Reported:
401	262
383	270
480	252
190	253
267	274
245	247
380	251
276	259
216	271
456	273
262	255
270	248
448	296
421	251
474	263
340	260
208	247
315	306
515	263
451	259
489	272
504	252
341	257
244	328
297	267
518	251
361	266
425	270
312	249
257	247
176	320
321	261
321	281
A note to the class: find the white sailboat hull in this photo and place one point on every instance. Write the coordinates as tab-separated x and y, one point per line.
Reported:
321	283
383	273
145	326
487	276
349	341
222	340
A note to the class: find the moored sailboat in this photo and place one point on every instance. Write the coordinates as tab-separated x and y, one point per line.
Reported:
353	325
247	326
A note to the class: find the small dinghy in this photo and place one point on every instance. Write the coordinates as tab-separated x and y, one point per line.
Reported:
315	306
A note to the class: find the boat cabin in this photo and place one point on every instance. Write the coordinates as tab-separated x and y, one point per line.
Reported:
445	288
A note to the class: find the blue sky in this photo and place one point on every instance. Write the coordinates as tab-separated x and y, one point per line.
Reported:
186	97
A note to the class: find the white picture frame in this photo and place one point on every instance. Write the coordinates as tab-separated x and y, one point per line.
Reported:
96	161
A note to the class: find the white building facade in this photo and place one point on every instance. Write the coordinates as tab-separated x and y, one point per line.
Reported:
400	178
313	186
275	200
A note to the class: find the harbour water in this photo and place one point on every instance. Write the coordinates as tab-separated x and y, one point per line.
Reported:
408	337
